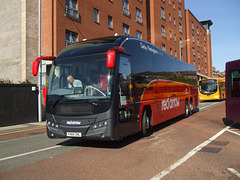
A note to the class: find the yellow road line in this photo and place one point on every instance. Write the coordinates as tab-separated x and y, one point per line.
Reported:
39	127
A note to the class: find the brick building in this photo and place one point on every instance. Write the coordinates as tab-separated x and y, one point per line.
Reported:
164	23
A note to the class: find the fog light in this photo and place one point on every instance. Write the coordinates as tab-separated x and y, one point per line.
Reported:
99	125
49	123
105	123
53	125
94	126
56	126
102	135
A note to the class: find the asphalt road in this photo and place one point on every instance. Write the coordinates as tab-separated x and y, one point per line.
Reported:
198	147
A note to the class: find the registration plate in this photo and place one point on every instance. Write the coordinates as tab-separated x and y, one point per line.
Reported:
74	134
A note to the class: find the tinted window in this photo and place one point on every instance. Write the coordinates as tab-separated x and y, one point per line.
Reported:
235	84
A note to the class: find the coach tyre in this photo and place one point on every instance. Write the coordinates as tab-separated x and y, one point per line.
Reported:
146	125
186	114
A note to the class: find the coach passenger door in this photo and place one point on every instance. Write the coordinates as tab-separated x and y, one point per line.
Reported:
124	88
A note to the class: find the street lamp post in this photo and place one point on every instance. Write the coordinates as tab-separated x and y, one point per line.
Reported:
181	46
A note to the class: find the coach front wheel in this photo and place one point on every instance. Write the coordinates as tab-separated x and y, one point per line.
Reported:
146	123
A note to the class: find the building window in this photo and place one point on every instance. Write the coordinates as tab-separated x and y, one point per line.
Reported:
194	62
163	47
179	13
198	43
193	38
169	2
205	59
192	26
174	21
198	55
169	17
171	51
180	1
139	34
163	32
71	9
96	15
173	5
199	69
162	13
139	16
175	38
197	31
125	30
193	50
175	54
204	38
180	28
205	50
110	22
205	70
170	34
126	8
70	37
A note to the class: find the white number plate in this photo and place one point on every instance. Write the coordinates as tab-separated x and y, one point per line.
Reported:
74	134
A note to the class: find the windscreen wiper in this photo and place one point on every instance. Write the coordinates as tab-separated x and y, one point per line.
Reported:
92	103
58	99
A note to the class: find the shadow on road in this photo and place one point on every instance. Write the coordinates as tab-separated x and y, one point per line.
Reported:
231	123
125	141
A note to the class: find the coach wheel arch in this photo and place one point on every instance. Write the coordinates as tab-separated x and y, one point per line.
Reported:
146	120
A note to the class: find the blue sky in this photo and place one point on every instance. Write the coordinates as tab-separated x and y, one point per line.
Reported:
225	30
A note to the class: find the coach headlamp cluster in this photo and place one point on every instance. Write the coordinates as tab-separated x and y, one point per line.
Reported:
100	124
50	124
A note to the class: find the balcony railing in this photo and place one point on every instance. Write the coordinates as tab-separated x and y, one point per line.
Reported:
164	35
72	13
125	33
163	17
180	30
126	12
68	43
139	19
180	15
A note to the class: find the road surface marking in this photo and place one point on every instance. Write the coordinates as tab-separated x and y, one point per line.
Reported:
12	127
202	108
32	152
188	155
1	134
234	172
231	131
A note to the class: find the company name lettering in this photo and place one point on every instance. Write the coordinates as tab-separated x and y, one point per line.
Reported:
148	48
169	104
73	122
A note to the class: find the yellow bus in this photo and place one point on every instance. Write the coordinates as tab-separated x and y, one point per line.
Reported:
212	89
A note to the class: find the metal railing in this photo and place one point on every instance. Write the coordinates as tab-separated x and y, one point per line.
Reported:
126	12
72	13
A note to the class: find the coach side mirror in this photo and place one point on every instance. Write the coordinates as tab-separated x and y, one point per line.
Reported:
110	59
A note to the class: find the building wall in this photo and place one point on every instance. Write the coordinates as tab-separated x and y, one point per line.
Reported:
53	32
157	21
18	39
10	40
202	45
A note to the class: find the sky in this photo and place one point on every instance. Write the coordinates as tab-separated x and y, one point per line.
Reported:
225	31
